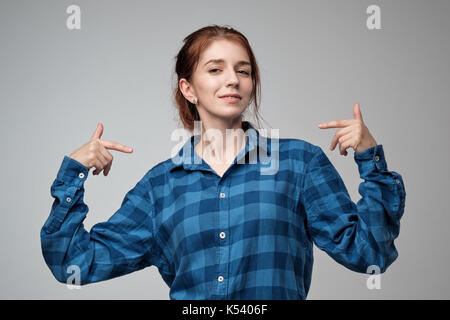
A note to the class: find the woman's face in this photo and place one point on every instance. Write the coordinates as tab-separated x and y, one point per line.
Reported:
213	79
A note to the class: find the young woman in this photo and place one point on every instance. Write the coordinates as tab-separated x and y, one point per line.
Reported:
220	228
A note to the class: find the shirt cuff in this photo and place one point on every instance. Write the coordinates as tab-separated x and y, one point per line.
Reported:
372	158
72	172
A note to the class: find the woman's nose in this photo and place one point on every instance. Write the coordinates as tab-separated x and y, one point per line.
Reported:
232	78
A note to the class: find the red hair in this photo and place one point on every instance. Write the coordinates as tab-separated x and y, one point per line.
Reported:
187	60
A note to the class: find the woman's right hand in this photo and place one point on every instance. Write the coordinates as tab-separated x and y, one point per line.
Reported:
94	153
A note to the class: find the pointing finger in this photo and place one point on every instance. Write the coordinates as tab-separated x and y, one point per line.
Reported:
116	146
335	124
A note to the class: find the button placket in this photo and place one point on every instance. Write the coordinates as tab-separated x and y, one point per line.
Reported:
222	243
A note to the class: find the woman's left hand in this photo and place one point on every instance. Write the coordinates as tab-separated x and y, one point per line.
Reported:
354	133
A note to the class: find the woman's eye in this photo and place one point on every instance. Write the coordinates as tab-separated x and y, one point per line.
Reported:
245	72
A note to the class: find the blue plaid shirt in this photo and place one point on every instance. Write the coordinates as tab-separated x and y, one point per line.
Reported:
245	235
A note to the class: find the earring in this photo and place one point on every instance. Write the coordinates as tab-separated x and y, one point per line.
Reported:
194	101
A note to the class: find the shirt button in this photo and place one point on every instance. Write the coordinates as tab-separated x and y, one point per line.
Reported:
398	181
222	235
81	175
377	158
220	279
68	199
222	195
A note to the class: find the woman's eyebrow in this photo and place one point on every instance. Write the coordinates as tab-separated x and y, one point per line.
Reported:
239	63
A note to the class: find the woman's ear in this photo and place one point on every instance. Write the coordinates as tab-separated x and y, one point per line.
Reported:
187	90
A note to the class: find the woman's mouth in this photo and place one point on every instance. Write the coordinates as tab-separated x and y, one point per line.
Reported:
231	99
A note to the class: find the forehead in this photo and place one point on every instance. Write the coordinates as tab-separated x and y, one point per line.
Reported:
224	49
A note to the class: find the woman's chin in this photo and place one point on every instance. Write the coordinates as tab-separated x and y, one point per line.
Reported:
229	115
231	109
226	112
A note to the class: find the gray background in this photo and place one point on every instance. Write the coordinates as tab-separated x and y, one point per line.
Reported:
317	58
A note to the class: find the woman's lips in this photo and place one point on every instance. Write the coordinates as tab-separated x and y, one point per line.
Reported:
231	99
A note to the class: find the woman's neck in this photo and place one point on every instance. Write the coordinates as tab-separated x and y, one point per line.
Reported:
220	145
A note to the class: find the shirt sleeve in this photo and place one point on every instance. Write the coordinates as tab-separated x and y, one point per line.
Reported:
119	246
355	235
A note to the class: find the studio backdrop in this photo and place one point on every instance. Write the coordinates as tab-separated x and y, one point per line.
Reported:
65	66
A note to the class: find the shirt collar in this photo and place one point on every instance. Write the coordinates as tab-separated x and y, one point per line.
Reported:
187	158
